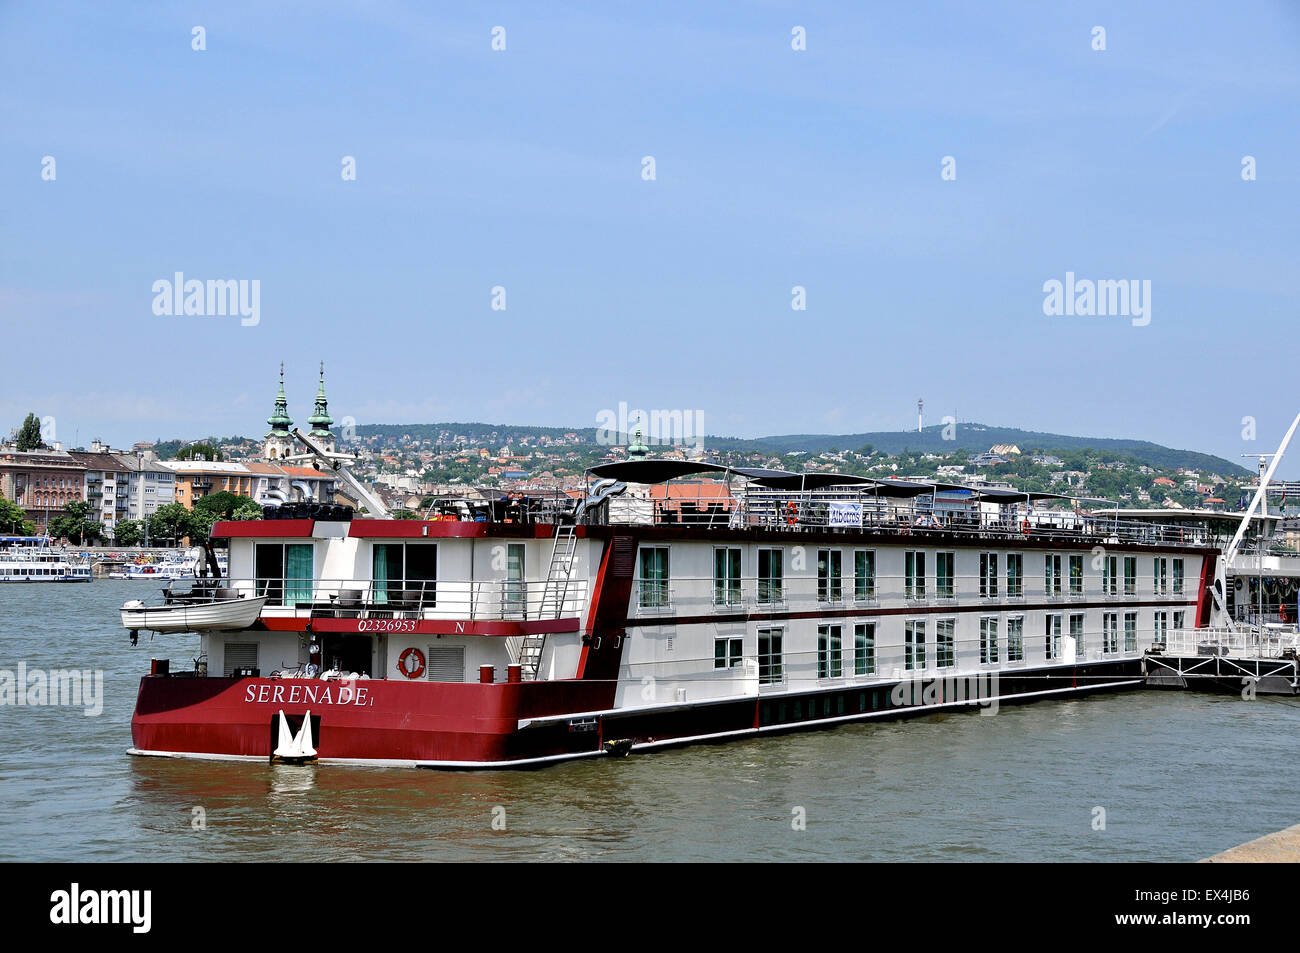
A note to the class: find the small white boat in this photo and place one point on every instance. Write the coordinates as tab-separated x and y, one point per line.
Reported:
216	612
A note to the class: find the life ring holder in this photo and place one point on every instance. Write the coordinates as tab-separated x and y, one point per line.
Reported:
792	513
416	667
1024	527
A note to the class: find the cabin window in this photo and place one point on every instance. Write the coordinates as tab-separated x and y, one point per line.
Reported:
1109	633
1109	567
771	576
1016	639
914	645
944	575
1161	634
989	640
1076	633
1160	575
1178	619
829	581
284	572
1052	637
864	648
1015	576
728	652
654	577
1052	575
726	576
771	663
988	575
405	573
1178	577
945	643
864	575
1130	575
829	651
1130	631
1076	575
914	573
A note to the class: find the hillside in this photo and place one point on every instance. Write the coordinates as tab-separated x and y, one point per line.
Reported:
971	437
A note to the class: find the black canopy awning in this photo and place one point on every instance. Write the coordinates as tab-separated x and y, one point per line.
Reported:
652	471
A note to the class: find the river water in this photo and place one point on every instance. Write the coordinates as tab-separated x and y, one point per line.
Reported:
1179	776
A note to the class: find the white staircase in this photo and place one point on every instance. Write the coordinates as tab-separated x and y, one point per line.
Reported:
554	593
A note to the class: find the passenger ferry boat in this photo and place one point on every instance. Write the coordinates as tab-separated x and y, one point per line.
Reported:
521	633
30	559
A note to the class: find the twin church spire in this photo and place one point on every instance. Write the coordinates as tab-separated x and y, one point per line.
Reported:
279	439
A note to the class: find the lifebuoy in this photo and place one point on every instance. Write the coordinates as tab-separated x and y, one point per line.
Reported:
792	513
1024	527
411	663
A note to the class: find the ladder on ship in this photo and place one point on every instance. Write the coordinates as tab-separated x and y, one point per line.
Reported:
554	593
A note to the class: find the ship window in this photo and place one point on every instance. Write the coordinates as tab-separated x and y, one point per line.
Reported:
285	572
864	575
1076	574
1130	575
988	575
914	645
1015	575
1051	574
988	640
726	576
1076	633
1016	639
1109	569
1130	631
405	572
654	577
864	648
1161	635
1052	636
771	575
829	651
944	575
945	645
728	652
1109	633
829	585
914	575
771	669
446	663
1160	572
1178	577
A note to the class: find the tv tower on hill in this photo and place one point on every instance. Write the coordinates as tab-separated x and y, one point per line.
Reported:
920	418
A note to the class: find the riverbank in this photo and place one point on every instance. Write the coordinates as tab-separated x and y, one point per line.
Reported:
1282	847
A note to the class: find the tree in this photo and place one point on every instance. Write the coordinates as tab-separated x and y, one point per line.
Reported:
172	523
29	434
76	525
13	519
128	533
199	451
219	506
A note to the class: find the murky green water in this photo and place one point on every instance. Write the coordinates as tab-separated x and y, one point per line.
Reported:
1180	776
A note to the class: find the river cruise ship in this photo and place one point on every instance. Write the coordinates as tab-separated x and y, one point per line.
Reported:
523	631
32	559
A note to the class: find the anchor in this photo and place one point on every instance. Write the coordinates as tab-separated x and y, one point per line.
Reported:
294	749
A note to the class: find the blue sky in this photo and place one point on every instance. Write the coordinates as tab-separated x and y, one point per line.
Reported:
775	168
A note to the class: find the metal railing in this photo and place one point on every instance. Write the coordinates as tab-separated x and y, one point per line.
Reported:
521	600
1238	643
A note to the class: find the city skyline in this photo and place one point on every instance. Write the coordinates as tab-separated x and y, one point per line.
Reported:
775	169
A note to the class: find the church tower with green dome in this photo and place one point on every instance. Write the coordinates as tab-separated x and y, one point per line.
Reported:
279	441
320	418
